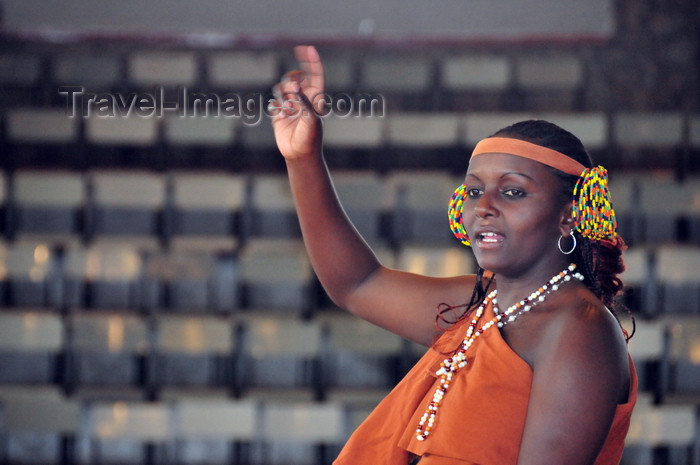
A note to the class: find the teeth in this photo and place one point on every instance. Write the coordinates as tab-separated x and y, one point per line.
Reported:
489	237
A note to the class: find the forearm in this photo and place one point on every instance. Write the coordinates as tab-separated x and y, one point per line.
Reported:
340	257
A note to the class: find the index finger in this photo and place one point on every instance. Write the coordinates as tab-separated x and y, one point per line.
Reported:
310	62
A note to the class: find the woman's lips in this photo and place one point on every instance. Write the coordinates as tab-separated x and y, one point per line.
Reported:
489	239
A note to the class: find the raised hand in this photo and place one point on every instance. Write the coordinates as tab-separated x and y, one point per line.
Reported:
298	101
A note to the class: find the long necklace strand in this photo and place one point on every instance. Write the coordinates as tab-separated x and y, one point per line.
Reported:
453	364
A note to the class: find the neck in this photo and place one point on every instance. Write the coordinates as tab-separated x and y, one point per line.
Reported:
512	289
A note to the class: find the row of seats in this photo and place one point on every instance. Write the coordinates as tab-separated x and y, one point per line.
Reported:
122	354
401	207
655	210
266	273
41	425
152	354
371	127
664	350
239	70
662	434
212	196
48	138
215	205
662	280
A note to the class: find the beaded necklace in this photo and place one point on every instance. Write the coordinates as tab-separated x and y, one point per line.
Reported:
453	364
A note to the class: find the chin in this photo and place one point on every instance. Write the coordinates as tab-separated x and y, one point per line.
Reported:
499	261
488	262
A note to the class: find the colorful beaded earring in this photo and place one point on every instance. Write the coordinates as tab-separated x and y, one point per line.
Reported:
454	214
592	208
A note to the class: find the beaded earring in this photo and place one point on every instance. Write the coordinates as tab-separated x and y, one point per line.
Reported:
592	208
454	214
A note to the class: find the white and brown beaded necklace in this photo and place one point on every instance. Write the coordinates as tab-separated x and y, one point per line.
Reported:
453	364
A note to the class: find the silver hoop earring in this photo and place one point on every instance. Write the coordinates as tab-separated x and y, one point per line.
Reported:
573	247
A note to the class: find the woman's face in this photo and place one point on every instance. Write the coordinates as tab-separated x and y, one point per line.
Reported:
512	214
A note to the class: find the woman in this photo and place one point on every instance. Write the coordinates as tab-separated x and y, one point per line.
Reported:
533	369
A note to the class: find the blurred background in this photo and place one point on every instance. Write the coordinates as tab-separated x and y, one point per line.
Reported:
156	303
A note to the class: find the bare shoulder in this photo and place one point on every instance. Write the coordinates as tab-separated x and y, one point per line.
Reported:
586	337
582	320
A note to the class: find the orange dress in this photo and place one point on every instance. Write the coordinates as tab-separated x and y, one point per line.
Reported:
481	418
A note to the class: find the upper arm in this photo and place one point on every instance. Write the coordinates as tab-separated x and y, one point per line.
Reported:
405	303
577	382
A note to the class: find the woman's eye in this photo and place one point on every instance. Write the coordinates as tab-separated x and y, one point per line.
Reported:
514	192
473	192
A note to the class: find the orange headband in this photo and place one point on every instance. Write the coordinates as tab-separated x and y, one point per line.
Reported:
529	150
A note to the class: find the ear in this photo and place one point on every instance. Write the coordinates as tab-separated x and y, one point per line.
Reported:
567	222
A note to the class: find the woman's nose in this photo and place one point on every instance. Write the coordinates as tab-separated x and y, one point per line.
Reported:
485	206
